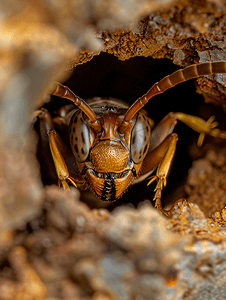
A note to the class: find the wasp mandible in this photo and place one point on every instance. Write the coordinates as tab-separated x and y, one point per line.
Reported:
113	145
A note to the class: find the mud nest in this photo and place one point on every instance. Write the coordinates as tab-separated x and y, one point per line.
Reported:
54	246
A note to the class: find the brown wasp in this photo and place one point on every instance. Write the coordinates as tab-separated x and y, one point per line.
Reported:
111	145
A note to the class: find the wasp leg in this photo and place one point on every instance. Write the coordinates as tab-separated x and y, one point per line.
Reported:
56	146
167	124
201	126
60	165
164	128
162	149
160	141
163	156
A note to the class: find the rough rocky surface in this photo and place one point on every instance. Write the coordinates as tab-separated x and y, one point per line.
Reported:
186	32
52	245
71	252
206	181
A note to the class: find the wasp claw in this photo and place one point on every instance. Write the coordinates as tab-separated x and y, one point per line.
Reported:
152	178
72	181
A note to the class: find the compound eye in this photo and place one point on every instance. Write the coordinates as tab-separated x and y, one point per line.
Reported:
140	138
80	137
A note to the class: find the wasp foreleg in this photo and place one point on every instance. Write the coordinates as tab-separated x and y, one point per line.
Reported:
59	162
168	146
162	156
56	146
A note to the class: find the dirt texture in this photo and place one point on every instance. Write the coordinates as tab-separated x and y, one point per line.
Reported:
206	181
186	32
52	245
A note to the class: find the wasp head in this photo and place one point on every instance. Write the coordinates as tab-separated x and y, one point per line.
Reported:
109	160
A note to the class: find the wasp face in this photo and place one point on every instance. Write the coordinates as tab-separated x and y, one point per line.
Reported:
111	171
109	161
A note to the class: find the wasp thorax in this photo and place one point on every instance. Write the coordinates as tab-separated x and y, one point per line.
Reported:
109	156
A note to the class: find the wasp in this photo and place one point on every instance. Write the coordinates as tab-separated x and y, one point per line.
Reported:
111	145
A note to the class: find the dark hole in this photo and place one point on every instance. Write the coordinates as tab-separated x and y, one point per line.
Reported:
106	76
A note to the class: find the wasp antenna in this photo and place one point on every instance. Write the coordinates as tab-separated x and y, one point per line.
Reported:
63	91
192	71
